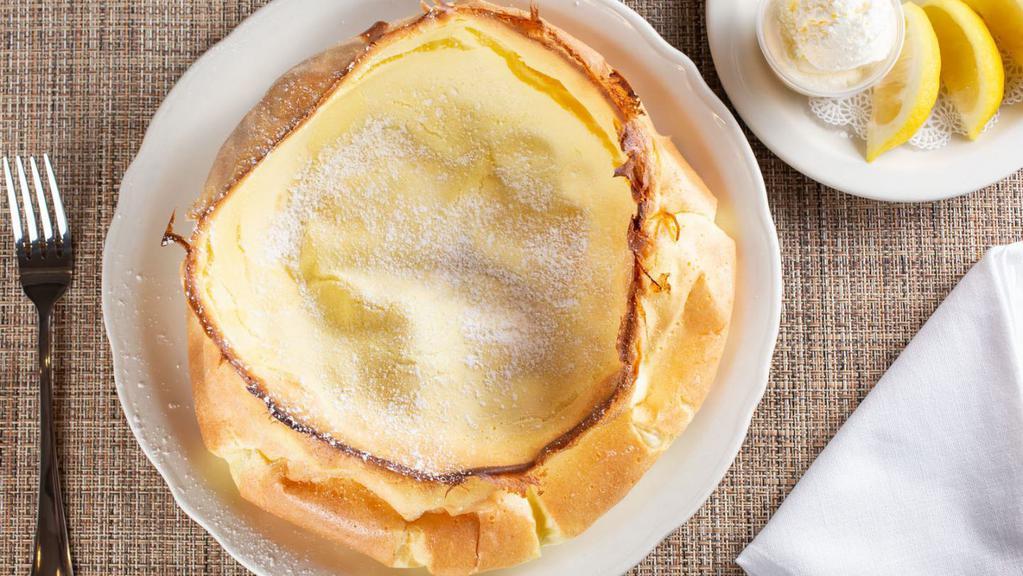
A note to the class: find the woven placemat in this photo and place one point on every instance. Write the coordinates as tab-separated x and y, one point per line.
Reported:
82	79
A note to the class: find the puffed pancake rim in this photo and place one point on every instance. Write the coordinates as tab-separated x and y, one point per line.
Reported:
450	294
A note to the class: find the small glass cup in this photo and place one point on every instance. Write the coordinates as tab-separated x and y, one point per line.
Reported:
877	72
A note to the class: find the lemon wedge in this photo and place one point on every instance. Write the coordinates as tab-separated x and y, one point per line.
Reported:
1004	18
971	66
902	101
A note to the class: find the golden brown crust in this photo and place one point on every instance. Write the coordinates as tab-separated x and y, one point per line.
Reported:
292	476
294	98
680	309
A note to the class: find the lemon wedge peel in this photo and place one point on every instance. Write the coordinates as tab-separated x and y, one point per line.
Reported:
1004	18
903	100
971	66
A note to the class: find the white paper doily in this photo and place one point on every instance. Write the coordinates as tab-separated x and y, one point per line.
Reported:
853	112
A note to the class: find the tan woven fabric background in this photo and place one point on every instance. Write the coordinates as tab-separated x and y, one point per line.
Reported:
81	79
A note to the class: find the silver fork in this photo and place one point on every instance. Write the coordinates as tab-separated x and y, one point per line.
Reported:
45	264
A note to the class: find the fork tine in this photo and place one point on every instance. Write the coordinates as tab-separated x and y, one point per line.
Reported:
12	204
44	209
58	204
26	202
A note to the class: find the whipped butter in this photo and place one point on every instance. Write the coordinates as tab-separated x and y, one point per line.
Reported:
830	47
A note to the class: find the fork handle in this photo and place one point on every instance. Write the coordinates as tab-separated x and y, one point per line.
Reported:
52	551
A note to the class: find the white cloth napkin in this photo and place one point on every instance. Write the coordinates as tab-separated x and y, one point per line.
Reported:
926	476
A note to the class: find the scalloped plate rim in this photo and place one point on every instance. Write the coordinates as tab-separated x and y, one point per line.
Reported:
666	51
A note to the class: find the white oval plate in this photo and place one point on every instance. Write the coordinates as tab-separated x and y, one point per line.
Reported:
144	309
782	120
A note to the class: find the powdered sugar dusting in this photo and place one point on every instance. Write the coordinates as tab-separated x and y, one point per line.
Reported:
507	249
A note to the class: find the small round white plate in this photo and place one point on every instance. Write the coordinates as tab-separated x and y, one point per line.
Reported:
782	120
144	309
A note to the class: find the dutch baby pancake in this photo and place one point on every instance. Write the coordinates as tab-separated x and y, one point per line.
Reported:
450	294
